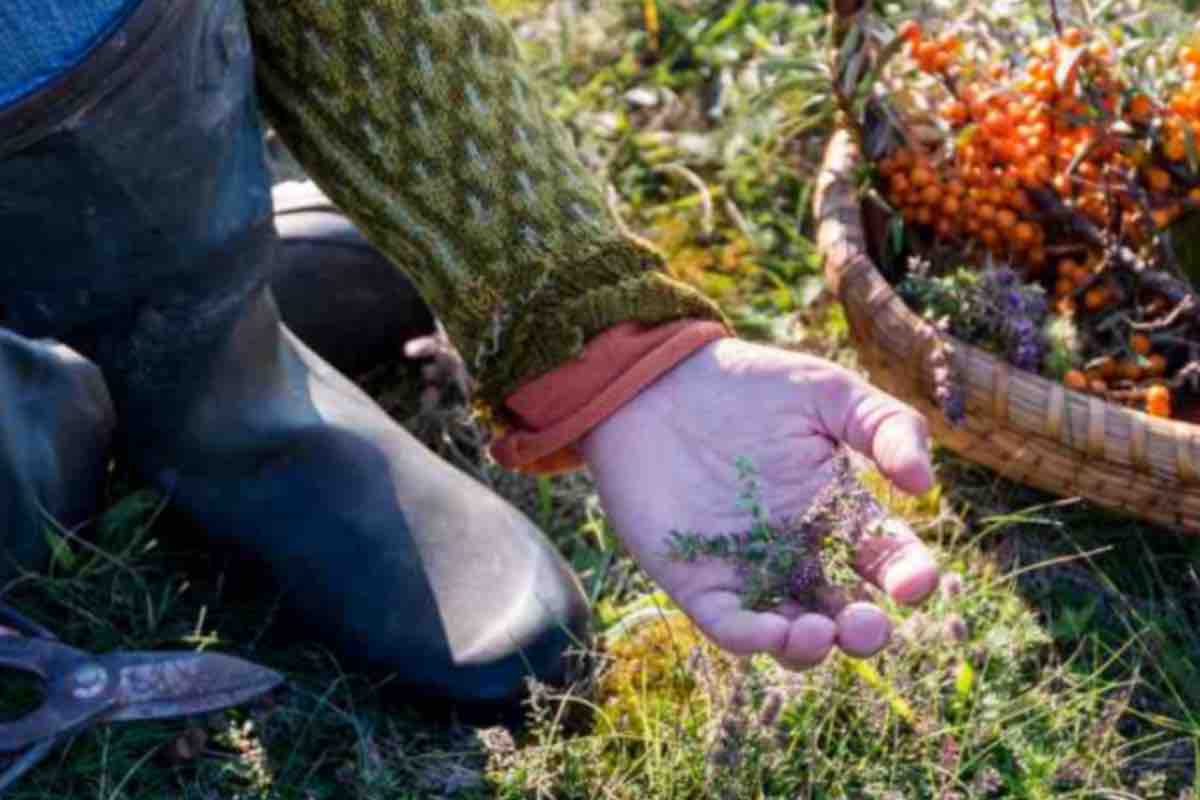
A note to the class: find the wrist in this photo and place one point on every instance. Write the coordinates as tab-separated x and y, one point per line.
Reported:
556	412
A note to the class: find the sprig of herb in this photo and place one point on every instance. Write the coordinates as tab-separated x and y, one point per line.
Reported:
782	561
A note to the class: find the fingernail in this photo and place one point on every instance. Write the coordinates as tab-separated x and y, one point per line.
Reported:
863	629
905	456
911	577
813	638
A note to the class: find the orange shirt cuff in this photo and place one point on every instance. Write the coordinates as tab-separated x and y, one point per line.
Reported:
557	410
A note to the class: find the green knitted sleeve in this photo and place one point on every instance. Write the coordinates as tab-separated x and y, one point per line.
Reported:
418	120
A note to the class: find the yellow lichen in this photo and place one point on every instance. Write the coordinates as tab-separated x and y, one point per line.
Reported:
656	676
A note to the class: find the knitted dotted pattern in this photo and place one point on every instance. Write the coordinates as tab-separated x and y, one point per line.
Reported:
417	119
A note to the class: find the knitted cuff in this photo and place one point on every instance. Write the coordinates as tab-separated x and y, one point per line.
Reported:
419	121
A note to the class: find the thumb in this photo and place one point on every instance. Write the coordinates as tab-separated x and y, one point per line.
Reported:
890	433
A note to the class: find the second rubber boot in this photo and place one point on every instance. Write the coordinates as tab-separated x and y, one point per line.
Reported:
137	224
56	421
335	290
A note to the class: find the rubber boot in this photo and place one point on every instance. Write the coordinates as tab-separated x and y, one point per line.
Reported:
335	291
137	225
56	422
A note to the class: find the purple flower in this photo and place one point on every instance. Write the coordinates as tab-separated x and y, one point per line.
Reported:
1014	316
953	403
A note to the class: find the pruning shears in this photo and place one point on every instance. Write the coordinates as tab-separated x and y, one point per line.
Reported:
83	689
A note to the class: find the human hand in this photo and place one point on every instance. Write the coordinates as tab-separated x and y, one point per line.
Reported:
664	462
444	369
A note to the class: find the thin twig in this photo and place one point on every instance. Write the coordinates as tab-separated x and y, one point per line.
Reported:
1054	16
1184	306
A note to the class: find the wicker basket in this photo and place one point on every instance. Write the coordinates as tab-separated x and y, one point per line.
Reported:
1026	428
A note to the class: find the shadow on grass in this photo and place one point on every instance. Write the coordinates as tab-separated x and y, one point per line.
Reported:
1120	598
144	579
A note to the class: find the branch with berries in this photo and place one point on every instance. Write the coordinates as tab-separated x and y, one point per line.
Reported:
1058	166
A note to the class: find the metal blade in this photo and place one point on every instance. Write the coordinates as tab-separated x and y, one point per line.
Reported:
161	685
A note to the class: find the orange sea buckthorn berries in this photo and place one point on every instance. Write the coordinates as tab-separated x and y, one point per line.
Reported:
1073	37
1074	379
1022	203
1140	343
950	43
910	30
1140	108
1100	51
1063	185
921	175
1023	234
1180	104
1158	401
955	112
1067	268
1129	370
1158	179
925	52
1163	217
1095	299
1157	366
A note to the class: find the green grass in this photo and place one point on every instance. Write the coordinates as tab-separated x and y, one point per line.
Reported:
1065	667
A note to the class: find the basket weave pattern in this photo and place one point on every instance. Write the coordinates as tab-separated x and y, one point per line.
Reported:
1024	427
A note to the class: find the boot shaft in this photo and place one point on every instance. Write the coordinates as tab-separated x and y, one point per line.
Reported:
139	174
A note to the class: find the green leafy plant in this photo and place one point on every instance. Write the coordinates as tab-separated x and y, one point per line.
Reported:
781	561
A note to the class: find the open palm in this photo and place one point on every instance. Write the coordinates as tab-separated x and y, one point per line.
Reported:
664	462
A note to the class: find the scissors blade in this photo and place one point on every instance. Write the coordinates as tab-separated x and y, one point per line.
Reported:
176	684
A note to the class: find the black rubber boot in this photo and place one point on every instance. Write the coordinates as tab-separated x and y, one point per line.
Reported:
335	291
138	227
56	422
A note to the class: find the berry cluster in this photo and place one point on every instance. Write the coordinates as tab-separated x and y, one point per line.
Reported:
1047	162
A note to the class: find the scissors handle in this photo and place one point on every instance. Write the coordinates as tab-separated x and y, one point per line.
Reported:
77	689
41	657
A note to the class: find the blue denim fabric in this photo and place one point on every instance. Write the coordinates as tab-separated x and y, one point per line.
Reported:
42	39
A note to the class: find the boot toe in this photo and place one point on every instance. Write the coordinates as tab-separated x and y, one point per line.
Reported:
505	605
407	567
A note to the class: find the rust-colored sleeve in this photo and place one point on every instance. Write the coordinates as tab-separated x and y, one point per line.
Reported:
557	410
